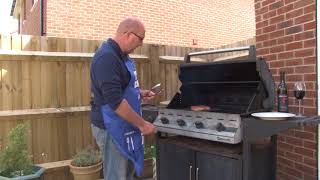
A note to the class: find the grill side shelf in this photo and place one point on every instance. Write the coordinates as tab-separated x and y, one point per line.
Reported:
255	128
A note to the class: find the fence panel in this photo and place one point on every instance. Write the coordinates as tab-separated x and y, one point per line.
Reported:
45	81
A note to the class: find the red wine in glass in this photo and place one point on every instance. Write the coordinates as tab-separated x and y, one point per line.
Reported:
299	94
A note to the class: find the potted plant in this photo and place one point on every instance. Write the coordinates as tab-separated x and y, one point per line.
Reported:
15	161
148	163
86	164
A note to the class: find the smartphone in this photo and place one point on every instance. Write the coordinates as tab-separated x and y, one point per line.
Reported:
156	89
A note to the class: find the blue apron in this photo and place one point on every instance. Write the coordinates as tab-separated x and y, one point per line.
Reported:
125	136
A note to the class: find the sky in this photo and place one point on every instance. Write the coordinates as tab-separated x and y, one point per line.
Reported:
7	23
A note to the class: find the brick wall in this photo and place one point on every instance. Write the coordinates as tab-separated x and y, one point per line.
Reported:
30	20
209	23
286	37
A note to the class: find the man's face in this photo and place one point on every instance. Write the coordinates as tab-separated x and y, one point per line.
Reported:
135	39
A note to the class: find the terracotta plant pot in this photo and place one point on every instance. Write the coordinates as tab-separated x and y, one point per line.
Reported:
148	169
86	173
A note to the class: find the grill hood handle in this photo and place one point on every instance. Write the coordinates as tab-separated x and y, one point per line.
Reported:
251	49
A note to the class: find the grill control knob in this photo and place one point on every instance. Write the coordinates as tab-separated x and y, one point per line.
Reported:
164	120
150	118
181	122
220	127
199	125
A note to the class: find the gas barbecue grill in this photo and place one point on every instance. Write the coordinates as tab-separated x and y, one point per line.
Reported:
223	142
230	89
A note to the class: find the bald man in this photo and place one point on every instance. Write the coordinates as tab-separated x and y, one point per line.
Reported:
116	118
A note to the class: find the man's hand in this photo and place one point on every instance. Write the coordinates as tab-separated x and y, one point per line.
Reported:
125	111
148	128
147	95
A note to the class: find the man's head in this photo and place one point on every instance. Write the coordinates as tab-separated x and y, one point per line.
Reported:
130	34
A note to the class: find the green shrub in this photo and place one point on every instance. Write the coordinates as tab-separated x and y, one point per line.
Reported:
147	152
86	157
14	159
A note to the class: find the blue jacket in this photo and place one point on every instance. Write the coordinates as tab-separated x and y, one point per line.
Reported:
109	78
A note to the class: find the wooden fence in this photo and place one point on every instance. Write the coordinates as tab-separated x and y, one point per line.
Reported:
32	83
54	44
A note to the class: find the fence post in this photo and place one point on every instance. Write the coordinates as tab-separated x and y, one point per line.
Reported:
154	62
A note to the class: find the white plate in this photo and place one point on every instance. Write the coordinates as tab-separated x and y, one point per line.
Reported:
273	115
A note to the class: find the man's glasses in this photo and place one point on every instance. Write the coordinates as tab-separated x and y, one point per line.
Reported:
141	38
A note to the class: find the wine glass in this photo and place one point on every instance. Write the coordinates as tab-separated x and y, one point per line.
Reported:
299	92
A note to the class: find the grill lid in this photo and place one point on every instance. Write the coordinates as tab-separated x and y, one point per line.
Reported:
231	86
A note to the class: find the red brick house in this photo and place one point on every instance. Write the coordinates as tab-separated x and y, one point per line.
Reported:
201	23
